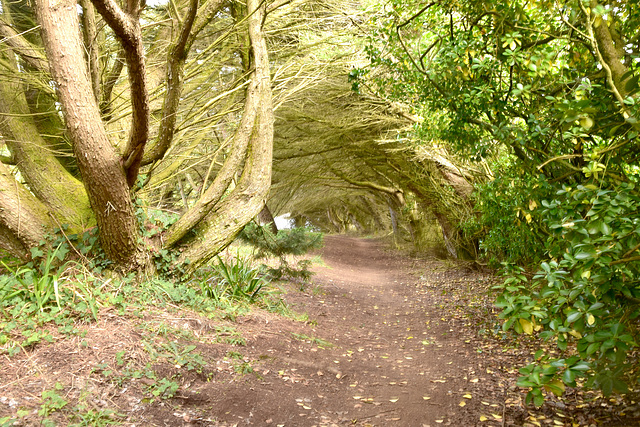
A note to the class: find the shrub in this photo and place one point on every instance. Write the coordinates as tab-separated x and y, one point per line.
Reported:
296	241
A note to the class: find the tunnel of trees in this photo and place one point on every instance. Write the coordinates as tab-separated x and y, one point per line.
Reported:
499	132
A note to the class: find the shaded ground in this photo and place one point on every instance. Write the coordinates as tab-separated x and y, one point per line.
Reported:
389	341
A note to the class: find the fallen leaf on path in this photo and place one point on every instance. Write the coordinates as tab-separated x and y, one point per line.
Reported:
467	396
394	399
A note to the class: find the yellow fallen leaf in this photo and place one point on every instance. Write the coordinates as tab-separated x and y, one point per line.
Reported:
496	416
394	400
483	418
475	380
426	397
467	396
590	319
462	404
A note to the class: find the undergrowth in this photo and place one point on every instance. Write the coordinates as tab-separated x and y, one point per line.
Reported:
68	285
282	245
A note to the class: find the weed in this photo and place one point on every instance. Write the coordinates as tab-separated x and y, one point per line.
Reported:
7	422
243	368
164	389
160	328
237	280
94	418
52	401
37	285
230	336
183	357
318	341
234	355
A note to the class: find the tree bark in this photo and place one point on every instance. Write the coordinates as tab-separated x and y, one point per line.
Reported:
126	25
266	218
21	46
89	32
102	171
23	219
41	170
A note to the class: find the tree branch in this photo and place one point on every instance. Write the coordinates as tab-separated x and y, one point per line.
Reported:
89	32
30	54
109	83
126	26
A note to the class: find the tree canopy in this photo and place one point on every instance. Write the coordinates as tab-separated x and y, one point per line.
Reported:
501	132
545	93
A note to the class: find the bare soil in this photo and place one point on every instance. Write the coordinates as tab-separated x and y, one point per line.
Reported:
390	340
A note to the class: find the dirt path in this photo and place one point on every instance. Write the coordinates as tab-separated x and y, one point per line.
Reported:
392	362
388	341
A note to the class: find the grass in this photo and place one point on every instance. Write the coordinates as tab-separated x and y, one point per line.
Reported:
65	302
318	341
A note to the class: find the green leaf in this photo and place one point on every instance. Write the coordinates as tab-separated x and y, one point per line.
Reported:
573	316
581	366
36	253
584	255
593	348
569	377
632	83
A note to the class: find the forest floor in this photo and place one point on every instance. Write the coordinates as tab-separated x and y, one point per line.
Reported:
386	340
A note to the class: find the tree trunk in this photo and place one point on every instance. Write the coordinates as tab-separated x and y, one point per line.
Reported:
41	170
266	218
102	171
247	199
23	219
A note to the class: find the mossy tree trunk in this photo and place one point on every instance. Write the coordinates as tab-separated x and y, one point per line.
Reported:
39	193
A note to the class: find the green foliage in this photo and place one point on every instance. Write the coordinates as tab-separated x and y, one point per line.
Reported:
237	280
33	297
52	401
37	285
503	84
165	388
178	356
508	223
586	295
295	241
83	416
